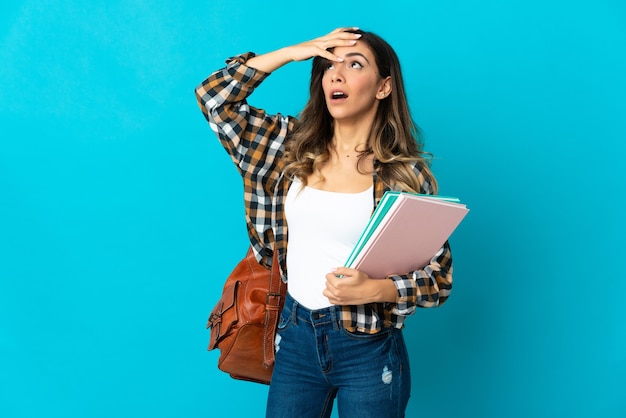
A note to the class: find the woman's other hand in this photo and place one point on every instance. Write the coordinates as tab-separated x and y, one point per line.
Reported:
345	286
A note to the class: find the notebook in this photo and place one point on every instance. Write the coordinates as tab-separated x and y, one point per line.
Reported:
404	233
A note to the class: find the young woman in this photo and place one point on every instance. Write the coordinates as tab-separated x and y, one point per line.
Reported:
321	175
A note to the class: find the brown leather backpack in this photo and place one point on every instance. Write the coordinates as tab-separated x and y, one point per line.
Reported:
243	322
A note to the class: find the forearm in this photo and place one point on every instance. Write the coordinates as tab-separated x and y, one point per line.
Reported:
426	288
217	89
270	61
319	47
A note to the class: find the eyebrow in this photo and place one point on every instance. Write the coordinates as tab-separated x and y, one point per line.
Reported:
353	54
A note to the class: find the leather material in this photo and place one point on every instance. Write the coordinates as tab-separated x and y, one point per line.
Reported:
243	322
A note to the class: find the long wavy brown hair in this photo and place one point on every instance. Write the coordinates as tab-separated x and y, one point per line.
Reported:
394	140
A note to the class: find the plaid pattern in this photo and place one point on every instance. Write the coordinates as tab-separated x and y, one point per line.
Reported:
255	141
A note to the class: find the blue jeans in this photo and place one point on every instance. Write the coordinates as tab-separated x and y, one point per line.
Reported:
317	360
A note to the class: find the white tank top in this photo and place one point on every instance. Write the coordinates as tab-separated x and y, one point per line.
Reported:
323	228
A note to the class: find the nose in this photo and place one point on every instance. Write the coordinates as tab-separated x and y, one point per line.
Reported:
335	75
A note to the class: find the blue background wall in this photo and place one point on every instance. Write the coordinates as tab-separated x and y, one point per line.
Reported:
120	217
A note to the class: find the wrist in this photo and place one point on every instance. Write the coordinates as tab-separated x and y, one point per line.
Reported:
287	54
386	291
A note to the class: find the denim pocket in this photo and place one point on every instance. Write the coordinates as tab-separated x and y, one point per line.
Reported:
285	319
364	336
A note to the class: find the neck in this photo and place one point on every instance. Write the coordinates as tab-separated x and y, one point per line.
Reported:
350	139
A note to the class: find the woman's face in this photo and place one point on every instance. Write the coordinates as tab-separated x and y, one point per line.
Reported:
353	87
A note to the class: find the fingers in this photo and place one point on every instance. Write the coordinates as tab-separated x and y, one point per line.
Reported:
350	289
342	33
331	291
344	29
344	272
323	45
338	37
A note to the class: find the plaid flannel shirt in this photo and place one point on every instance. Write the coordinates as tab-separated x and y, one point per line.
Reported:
255	141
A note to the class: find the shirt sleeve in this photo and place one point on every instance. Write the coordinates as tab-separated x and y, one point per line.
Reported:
253	139
430	286
425	288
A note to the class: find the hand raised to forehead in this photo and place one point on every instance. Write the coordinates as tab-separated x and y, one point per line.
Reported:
320	46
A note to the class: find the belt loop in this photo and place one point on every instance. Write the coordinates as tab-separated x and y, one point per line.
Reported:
335	317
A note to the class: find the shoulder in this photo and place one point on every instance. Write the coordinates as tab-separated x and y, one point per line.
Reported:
426	179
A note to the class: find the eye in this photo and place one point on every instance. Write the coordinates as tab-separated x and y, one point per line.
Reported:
329	66
356	64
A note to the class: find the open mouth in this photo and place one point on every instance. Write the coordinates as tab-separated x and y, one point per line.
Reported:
338	95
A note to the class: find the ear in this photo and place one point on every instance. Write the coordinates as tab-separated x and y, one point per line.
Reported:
385	88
